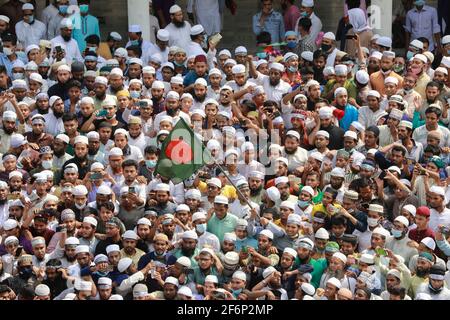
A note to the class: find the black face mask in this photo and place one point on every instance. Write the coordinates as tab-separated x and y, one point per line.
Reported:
25	272
326	47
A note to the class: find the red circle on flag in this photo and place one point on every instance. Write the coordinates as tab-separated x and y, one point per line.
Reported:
179	152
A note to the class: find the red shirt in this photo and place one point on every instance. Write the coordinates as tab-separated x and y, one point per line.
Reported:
418	235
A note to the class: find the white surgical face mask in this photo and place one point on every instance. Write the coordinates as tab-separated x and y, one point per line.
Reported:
372	222
80	206
7	51
47	164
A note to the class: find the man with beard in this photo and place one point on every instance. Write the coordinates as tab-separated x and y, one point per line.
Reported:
112	236
272	284
42	104
87	233
116	81
4	206
179	29
94	153
274	87
256	185
136	135
129	242
239	82
377	79
131	209
80	159
37	136
65	38
200	71
63	75
160	252
60	156
296	155
157	94
53	120
100	86
9	127
282	184
188	247
199	95
54	277
162	204
173	109
304	248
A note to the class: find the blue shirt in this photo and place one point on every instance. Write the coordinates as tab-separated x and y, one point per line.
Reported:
423	23
274	24
4	61
84	26
191	77
247	242
351	114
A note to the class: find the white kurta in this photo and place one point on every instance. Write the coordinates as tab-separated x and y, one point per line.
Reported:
72	49
179	37
207	14
28	34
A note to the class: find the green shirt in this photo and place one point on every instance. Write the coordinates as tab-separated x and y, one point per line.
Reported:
178	253
198	276
220	227
319	266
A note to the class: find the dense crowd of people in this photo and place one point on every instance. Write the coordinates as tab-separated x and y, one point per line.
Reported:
329	177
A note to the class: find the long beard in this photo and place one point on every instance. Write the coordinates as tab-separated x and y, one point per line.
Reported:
59	153
255	192
58	114
200	99
274	83
422	273
9	131
290	152
179	24
187	252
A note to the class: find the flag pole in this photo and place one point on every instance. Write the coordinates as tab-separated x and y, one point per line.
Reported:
229	179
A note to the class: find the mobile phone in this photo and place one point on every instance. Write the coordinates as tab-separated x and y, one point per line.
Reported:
276	114
132	189
423	172
152	273
96	176
244	249
381	252
444	230
19	251
218	295
350	36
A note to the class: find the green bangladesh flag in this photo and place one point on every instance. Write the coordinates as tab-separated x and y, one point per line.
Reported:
182	154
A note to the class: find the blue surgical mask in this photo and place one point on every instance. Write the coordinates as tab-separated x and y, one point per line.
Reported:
291	44
205	42
135	94
150	163
292	69
63	9
262	55
303	204
84	8
304	14
18	76
31	19
409	55
134	42
201	228
419	3
396	233
448	51
237	292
